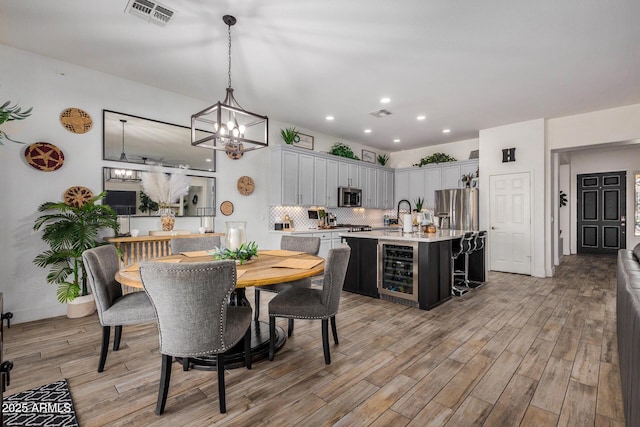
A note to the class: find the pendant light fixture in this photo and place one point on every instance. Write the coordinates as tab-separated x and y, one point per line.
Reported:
231	128
123	156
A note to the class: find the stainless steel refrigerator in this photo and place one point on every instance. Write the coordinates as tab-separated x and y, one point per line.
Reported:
461	205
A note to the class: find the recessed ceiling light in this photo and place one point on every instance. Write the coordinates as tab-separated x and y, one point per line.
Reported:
209	160
329	118
397	140
446	130
385	100
421	117
367	131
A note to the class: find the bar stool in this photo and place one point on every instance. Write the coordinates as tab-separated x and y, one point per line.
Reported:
479	245
462	247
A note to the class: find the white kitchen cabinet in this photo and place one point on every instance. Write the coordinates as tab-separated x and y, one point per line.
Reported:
469	168
293	182
381	188
432	182
319	181
303	178
367	179
451	176
348	175
332	184
416	185
401	186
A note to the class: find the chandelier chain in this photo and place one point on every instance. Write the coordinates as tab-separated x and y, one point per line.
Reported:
229	27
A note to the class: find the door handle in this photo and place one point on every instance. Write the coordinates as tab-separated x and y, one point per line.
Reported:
494	228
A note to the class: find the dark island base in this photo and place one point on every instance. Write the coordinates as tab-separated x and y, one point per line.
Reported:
434	271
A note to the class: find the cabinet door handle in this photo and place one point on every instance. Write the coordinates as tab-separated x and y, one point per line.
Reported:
494	228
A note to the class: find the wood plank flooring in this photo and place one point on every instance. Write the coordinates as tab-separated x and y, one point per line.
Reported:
518	351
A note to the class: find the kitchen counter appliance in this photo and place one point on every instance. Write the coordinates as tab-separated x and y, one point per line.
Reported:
349	197
461	205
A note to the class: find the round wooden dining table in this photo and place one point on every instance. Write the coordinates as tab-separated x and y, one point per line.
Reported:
268	268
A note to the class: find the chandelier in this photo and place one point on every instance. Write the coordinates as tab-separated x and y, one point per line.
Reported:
229	126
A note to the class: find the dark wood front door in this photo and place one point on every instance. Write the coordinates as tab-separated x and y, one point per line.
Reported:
602	212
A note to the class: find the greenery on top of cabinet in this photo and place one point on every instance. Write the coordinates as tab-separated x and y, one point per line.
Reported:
343	150
435	158
383	159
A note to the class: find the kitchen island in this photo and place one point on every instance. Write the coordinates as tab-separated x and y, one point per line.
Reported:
412	269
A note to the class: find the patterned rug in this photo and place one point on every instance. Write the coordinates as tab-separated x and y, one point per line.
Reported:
47	405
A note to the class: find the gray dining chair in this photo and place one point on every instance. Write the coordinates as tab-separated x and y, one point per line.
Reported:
310	303
188	244
114	308
310	245
194	316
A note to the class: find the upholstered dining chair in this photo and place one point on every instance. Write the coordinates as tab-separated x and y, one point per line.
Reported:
114	308
310	303
310	245
188	244
194	317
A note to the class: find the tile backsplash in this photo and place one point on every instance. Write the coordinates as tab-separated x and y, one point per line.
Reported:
300	217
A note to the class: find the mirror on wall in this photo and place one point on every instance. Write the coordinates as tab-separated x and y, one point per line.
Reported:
125	195
133	139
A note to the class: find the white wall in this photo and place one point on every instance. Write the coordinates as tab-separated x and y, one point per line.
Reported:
597	127
34	80
528	139
459	149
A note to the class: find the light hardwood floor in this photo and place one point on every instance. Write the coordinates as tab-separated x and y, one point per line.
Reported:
517	351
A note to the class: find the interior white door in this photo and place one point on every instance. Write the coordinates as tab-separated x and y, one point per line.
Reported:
510	223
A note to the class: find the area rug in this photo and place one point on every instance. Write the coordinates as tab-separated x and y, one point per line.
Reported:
47	405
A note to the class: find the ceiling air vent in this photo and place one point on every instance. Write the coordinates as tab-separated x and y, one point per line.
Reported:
380	113
150	11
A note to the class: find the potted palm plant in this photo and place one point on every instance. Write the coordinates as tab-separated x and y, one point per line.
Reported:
69	230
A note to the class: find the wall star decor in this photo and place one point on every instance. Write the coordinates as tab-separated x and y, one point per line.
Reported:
76	120
44	156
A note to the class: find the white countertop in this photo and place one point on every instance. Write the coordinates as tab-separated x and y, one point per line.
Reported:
438	236
308	230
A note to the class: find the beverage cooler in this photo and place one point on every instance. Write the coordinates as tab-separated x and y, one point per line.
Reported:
398	271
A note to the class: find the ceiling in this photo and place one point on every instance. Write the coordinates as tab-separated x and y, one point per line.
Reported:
466	66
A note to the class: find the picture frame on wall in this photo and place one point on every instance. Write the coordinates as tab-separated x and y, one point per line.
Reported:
368	156
303	141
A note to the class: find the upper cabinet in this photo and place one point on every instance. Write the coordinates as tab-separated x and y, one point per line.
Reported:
303	178
411	183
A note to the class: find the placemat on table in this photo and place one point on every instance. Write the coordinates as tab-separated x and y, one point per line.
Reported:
281	252
303	264
239	273
194	254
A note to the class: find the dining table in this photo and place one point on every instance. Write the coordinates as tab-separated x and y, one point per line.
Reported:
269	267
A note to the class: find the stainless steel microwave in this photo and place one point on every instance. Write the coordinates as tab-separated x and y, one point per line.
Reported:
349	197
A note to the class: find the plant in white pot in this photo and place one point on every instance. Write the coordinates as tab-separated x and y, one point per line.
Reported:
69	230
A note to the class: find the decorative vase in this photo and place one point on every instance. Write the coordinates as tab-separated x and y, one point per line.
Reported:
236	234
167	218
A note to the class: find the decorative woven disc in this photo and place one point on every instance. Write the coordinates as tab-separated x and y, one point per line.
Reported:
235	154
226	208
44	156
76	120
77	196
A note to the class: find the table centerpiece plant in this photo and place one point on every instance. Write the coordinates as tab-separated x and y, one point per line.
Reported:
244	253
